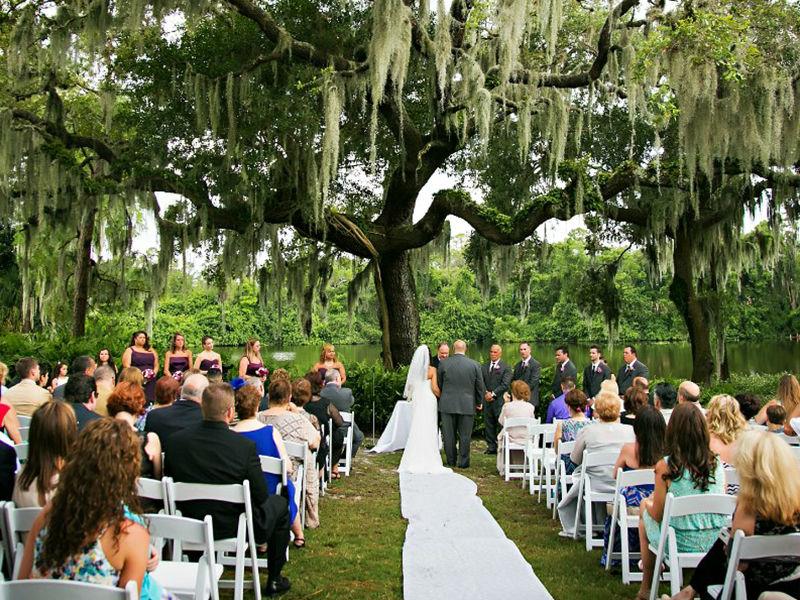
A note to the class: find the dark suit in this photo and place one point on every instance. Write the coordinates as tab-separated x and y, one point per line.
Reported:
496	381
529	374
173	418
593	378
342	399
626	376
567	369
209	452
461	382
83	415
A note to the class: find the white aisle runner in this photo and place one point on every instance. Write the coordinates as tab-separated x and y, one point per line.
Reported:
455	549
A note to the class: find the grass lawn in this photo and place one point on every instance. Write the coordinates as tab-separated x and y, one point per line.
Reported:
356	552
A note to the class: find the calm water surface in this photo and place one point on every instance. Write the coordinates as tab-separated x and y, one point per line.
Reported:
663	359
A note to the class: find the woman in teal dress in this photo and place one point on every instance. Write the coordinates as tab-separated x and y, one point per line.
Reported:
690	468
92	531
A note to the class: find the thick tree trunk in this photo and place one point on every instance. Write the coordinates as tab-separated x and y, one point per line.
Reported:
683	293
400	293
83	265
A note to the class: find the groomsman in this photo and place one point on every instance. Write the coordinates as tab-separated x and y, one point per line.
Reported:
528	370
595	373
564	368
630	370
496	379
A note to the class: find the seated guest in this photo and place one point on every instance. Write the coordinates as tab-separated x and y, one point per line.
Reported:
749	405
689	392
214	375
27	396
92	531
126	403
691	467
606	434
167	391
644	453
51	438
568	430
642	383
268	443
558	407
44	375
788	396
182	413
517	404
633	401
293	427
59	378
3	376
8	466
725	425
84	365
776	417
342	399
664	399
768	503
81	393
325	411
301	396
9	422
104	382
131	374
209	452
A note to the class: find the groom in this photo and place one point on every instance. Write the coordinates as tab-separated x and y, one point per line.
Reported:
461	382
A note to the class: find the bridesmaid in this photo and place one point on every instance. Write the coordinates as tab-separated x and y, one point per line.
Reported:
327	360
140	355
207	358
251	363
104	359
178	359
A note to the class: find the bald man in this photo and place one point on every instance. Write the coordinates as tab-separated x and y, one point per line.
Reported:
462	390
496	379
689	391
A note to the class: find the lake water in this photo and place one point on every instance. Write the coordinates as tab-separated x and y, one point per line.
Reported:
672	359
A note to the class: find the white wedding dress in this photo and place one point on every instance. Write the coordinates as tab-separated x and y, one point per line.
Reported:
421	454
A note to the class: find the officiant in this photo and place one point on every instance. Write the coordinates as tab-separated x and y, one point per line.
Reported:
496	379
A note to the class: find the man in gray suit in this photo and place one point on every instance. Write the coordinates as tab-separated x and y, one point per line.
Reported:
342	399
461	382
496	379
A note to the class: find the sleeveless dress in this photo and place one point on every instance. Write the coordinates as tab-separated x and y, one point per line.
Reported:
252	369
207	363
569	431
693	533
144	361
178	364
92	566
265	445
421	454
634	495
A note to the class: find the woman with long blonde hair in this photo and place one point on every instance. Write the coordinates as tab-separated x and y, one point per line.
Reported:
251	364
327	360
788	396
768	504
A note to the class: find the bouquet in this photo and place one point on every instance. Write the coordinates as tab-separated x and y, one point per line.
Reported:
262	372
149	374
178	376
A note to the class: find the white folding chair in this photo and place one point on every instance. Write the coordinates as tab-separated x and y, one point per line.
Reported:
274	466
186	579
24	421
511	471
547	461
299	452
18	522
667	550
54	589
347	460
22	451
533	454
750	548
327	472
587	496
731	477
24	432
563	480
622	520
154	489
796	451
245	537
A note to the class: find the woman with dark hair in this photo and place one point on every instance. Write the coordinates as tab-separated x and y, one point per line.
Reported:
207	358
251	364
126	403
690	468
178	358
568	429
323	409
650	431
140	355
633	401
91	531
104	359
60	376
53	432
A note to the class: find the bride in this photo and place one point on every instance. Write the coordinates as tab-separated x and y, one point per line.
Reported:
421	454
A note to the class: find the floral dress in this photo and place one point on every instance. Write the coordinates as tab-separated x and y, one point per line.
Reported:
91	565
569	432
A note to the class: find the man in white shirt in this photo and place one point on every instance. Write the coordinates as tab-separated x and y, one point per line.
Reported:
27	396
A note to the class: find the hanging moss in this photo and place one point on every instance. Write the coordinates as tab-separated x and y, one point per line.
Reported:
332	101
443	46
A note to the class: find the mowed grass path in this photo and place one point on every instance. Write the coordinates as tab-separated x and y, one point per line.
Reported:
356	552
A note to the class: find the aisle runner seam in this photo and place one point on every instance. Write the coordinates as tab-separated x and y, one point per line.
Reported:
454	548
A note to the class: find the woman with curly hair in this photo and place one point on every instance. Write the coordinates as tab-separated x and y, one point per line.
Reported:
725	424
689	468
91	531
126	403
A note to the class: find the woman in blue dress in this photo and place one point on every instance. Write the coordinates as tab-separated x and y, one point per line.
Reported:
268	443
